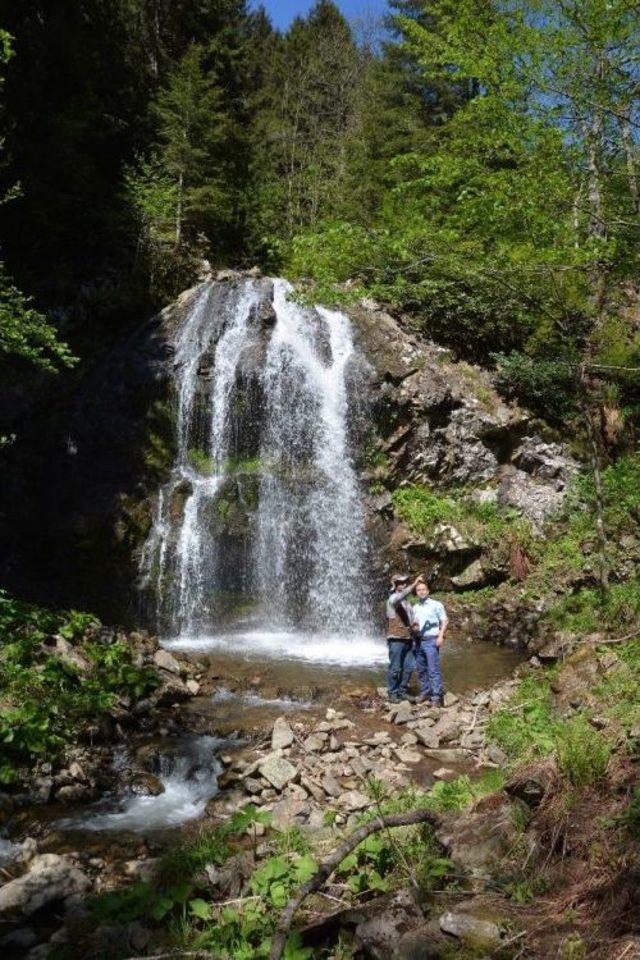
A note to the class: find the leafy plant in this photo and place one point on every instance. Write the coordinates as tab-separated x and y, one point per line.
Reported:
48	697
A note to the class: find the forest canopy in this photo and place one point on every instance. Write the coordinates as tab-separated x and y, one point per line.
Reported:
472	164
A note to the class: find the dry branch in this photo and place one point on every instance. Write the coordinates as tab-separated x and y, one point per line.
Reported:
325	869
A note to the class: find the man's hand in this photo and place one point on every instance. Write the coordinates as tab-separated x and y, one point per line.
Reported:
439	641
418	579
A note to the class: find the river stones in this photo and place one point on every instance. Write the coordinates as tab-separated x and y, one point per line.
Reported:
282	735
316	742
50	878
166	661
278	771
427	737
354	800
443	773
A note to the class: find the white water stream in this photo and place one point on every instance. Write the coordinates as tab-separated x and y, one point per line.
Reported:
189	777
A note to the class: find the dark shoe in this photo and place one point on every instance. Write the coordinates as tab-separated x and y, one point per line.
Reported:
438	702
407	697
423	698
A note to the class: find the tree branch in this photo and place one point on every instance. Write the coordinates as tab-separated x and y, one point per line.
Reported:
325	870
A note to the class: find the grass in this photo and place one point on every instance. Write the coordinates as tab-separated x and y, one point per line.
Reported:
583	753
589	611
484	523
528	729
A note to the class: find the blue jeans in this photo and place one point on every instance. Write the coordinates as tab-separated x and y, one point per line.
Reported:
428	666
401	665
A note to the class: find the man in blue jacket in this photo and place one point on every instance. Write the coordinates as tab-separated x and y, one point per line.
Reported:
429	625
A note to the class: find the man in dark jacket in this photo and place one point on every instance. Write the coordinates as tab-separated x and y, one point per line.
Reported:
400	637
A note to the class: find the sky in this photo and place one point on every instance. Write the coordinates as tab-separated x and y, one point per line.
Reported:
282	12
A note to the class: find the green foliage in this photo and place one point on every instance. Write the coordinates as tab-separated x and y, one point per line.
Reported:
583	753
544	385
47	698
157	455
485	523
525	890
26	334
526	729
275	880
589	611
619	689
200	461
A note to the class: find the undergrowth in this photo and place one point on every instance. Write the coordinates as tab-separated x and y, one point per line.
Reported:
484	523
528	729
46	698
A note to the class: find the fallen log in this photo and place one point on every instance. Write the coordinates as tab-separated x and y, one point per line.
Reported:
325	869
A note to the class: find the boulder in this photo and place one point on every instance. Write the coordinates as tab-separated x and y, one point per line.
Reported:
172	690
402	713
386	920
330	785
475	931
278	771
443	773
142	870
479	839
535	499
354	800
282	735
532	784
289	813
51	878
452	755
316	742
166	661
428	737
471	577
75	793
146	784
448	539
69	655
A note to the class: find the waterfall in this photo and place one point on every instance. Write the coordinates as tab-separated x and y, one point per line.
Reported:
261	522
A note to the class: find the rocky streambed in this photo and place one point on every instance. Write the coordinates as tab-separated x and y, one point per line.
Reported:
304	745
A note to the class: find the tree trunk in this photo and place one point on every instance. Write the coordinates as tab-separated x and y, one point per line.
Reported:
632	175
179	209
596	470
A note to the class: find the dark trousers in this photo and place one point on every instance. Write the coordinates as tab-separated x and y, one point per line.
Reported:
428	666
401	666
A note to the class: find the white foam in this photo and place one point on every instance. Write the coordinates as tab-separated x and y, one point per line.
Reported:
330	650
249	699
189	778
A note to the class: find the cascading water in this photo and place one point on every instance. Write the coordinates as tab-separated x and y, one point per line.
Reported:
258	538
